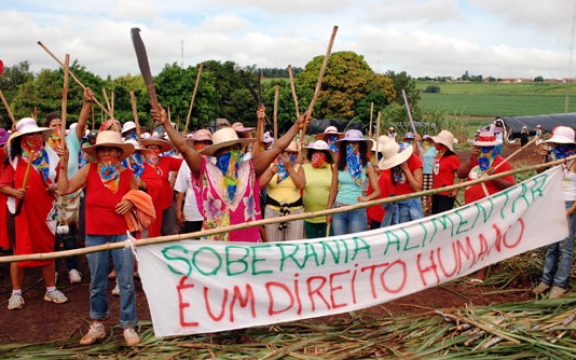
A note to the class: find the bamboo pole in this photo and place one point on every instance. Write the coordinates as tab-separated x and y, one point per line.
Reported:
73	76
92	117
112	103
293	87
287	218
135	113
8	110
193	98
276	94
28	165
64	101
35	113
371	115
319	83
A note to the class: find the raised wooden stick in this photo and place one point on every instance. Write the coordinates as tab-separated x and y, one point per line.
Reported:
25	182
293	87
377	136
73	76
371	115
105	93
408	111
8	110
193	97
35	113
517	152
135	113
64	102
276	93
112	103
319	83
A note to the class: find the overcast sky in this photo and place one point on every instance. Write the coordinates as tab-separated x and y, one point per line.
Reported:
500	38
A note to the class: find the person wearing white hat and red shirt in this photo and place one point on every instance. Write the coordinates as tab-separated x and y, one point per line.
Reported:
559	256
228	177
33	205
446	163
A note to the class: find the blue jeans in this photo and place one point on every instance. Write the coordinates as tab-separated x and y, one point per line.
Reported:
124	265
559	256
354	220
401	212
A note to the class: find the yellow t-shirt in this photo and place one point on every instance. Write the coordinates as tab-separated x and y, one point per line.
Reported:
316	191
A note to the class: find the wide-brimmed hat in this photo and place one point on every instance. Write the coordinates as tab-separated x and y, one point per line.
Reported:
562	135
223	138
319	145
445	138
29	126
353	135
201	135
3	136
486	138
110	138
293	147
330	130
394	154
239	127
128	125
165	145
380	143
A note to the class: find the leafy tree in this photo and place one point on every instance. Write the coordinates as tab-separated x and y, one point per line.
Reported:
432	89
402	81
11	78
539	78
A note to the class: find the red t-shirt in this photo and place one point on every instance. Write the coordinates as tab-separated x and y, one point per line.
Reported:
402	185
476	192
376	212
444	171
101	217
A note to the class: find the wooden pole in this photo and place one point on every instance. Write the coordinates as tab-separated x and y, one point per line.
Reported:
135	113
64	101
193	97
371	115
276	94
25	182
287	218
319	83
378	117
517	152
105	93
73	76
112	103
8	110
293	87
93	117
35	113
408	111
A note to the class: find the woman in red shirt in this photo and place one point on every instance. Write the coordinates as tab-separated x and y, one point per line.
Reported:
446	163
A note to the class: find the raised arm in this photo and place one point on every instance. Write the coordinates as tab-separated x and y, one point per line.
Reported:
68	186
84	113
191	157
264	159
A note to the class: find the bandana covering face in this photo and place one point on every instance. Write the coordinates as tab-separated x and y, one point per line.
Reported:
54	140
228	165
153	159
282	172
331	141
201	145
353	163
437	158
318	160
136	163
562	151
109	172
486	158
131	136
34	142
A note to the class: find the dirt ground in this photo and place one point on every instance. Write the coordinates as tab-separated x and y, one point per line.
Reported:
41	322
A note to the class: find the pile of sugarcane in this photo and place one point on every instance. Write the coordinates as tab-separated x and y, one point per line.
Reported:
543	328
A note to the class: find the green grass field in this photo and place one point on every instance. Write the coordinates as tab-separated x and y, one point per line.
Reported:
496	99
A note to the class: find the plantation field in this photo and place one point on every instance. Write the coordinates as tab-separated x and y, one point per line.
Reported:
496	99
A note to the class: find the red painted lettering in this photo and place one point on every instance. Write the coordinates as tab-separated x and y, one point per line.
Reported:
333	289
423	270
402	282
269	290
222	305
184	305
317	290
243	301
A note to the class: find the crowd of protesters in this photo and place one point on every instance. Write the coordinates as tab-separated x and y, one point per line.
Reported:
120	180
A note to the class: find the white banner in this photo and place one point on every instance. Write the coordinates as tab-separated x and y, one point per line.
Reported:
199	287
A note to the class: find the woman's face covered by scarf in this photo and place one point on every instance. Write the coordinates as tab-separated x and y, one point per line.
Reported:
486	157
32	142
561	151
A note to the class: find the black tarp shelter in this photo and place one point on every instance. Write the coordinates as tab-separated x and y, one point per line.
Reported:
548	122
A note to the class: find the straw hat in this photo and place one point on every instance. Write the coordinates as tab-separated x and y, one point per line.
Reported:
394	154
136	146
29	126
110	138
353	135
319	145
293	147
330	130
562	135
485	139
165	145
239	127
381	141
223	138
201	135
128	125
445	138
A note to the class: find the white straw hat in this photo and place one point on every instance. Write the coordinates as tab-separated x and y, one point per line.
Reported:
128	125
29	126
562	135
319	145
445	138
223	138
165	145
381	141
393	154
110	138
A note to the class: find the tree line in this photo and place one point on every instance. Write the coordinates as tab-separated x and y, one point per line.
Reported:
348	89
